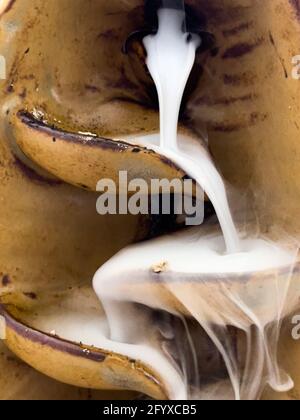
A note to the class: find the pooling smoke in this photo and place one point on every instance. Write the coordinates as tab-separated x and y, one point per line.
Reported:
225	307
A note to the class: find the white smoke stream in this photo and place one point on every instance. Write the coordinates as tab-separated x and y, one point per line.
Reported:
237	291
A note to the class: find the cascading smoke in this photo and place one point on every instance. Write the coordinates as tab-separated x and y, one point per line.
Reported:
205	294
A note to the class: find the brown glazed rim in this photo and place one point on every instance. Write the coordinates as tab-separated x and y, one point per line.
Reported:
116	145
65	346
54	342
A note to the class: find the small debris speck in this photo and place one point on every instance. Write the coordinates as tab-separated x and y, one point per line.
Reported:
160	267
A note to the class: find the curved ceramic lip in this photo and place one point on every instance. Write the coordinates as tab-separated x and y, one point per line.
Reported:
8	7
114	145
233	276
65	346
74	349
52	341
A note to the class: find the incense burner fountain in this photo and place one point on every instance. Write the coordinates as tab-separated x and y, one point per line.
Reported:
72	104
